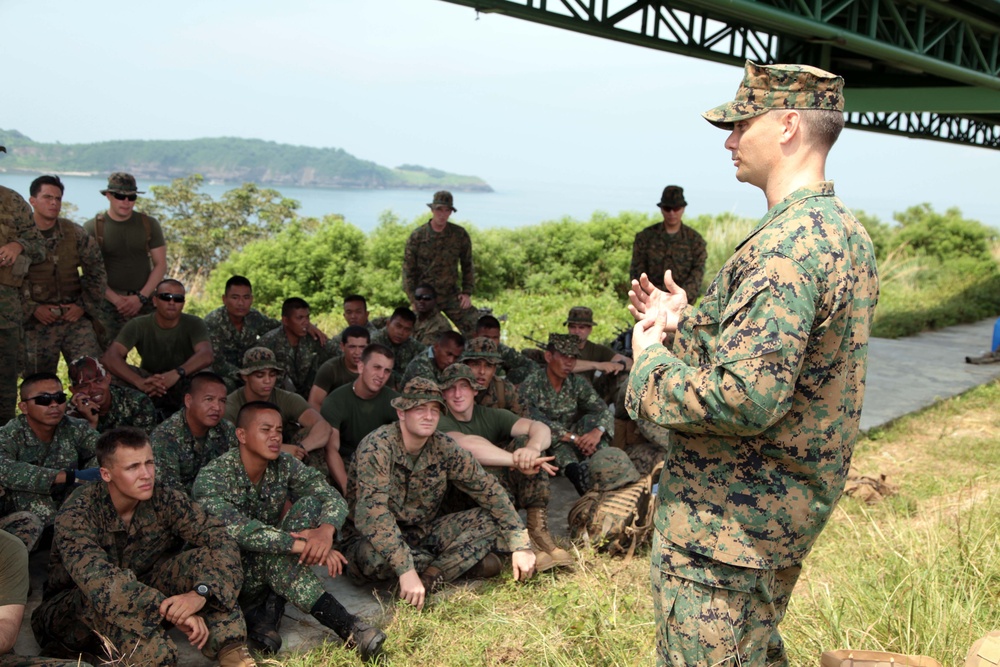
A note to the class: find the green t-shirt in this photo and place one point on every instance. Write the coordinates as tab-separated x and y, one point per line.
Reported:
593	352
124	250
493	424
290	404
13	570
161	349
333	374
356	417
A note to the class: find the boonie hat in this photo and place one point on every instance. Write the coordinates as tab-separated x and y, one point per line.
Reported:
416	392
443	198
259	359
122	183
611	468
672	197
580	315
84	369
482	348
568	344
767	87
455	374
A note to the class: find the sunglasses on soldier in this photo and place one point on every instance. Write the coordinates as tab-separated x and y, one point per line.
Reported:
120	197
45	400
167	296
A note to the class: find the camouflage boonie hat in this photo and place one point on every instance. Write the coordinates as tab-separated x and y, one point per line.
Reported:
672	197
122	183
443	198
84	369
611	468
767	87
580	315
482	348
416	392
259	359
455	374
568	344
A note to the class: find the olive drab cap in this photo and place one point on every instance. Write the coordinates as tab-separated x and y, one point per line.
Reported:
482	348
122	183
767	87
673	197
443	198
416	392
611	468
580	315
568	344
455	374
259	359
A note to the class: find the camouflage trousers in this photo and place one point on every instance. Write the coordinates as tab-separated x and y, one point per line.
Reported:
109	322
282	573
709	613
566	452
43	343
525	491
25	526
453	543
14	660
464	319
69	618
10	344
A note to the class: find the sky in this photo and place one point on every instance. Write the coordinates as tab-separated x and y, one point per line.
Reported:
428	82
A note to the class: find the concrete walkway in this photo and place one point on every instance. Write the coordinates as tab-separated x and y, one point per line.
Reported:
903	376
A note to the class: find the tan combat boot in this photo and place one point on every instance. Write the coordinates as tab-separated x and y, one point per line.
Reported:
538	531
236	655
543	561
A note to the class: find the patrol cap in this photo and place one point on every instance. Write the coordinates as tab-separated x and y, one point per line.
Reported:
672	197
580	315
611	468
416	392
568	344
259	359
122	183
482	348
455	374
84	369
443	198
767	87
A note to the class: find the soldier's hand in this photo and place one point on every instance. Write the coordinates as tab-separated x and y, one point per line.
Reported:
196	630
71	312
86	409
335	563
316	333
549	469
587	442
524	564
44	314
294	450
177	608
317	546
129	306
465	301
412	589
9	252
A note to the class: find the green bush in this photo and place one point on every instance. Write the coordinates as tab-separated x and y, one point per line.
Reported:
946	236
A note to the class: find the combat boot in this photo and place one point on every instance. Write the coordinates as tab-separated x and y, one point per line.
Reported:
355	633
541	539
236	655
487	568
263	623
432	578
543	561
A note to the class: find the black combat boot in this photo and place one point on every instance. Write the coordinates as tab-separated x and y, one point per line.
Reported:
263	623
356	633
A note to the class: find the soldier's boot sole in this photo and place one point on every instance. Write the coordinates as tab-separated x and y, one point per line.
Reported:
366	640
236	655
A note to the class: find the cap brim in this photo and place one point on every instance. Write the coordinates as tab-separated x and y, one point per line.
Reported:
725	115
402	403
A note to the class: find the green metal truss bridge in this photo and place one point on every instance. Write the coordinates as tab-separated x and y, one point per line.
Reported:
928	69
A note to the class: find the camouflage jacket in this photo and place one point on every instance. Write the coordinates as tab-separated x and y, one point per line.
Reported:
516	366
501	394
423	366
405	353
435	257
560	410
764	385
129	407
229	344
390	492
179	456
301	361
29	465
94	550
684	253
86	271
426	331
17	223
251	512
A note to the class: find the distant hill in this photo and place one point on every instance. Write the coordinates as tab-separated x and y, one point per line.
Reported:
227	160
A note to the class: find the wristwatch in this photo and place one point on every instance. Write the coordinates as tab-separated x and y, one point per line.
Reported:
202	590
181	373
602	429
572	437
143	299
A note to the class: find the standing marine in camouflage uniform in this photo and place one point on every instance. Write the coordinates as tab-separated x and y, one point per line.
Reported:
763	386
63	292
430	320
397	336
431	364
397	483
248	488
580	422
482	357
129	558
104	405
670	245
516	367
40	452
298	352
195	435
434	253
20	245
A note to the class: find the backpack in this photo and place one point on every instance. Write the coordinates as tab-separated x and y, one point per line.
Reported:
619	520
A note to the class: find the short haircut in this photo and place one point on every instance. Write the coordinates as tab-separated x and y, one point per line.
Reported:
250	410
292	304
172	281
129	437
377	348
450	336
487	322
426	286
34	379
36	185
237	281
823	126
356	297
404	313
354	331
201	378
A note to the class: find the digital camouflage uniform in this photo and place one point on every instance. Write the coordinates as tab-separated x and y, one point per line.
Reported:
109	578
179	455
129	407
404	353
17	223
423	366
254	517
300	362
684	253
395	500
28	469
763	392
500	393
516	366
426	330
72	272
230	344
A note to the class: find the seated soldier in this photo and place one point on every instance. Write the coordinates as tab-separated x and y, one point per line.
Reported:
580	422
130	558
515	365
357	409
430	364
172	344
397	482
103	405
430	320
248	489
195	435
593	357
482	356
40	453
482	431
397	336
299	354
342	369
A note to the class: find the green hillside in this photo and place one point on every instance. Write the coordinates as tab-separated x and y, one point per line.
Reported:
227	160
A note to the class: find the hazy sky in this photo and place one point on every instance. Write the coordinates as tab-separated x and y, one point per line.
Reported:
425	82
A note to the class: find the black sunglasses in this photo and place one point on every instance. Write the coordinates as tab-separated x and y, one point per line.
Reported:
120	197
425	297
167	296
45	400
671	209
